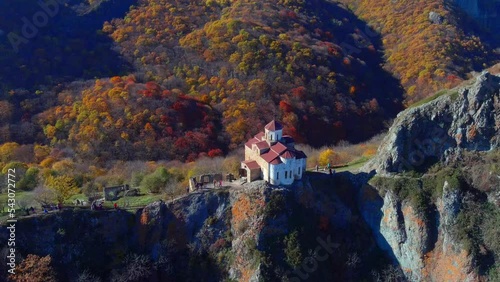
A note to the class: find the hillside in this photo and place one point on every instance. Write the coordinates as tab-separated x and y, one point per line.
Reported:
431	45
65	45
323	70
437	177
236	235
255	60
436	220
152	93
289	60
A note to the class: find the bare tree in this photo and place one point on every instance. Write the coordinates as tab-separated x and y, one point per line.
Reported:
173	189
392	274
136	268
87	276
353	260
44	195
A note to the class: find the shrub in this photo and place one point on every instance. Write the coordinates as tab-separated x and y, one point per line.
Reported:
136	179
276	204
30	179
490	228
156	181
328	157
405	188
63	186
293	254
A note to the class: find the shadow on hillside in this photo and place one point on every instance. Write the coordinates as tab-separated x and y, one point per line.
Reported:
64	45
481	27
372	81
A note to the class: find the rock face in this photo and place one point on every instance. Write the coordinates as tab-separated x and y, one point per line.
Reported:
464	118
423	247
239	235
435	18
486	12
406	234
420	236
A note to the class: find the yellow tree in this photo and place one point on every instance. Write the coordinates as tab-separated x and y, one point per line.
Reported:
64	186
7	151
328	156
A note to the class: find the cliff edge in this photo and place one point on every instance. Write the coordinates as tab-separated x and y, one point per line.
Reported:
466	117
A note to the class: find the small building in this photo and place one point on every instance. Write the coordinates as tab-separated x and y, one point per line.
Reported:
272	156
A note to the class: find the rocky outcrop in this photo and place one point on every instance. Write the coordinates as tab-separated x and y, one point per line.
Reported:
424	247
242	234
464	118
448	260
435	18
417	223
406	233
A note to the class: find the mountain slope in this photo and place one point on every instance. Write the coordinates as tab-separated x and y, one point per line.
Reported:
429	45
257	60
465	118
57	43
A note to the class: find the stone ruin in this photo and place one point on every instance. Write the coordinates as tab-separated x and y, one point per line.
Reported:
204	179
113	193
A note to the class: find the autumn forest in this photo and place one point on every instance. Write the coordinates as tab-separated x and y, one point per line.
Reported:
179	80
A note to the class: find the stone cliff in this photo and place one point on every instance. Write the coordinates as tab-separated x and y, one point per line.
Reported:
465	118
255	233
424	248
426	206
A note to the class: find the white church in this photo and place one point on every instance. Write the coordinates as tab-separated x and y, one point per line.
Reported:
272	157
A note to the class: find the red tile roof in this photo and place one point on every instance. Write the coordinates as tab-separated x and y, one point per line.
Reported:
252	164
259	135
274	125
250	142
278	148
288	154
270	156
262	145
276	161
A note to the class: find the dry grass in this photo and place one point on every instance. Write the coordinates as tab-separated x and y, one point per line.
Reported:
345	153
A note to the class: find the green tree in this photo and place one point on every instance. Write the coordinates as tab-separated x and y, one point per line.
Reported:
156	181
293	254
91	189
30	179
